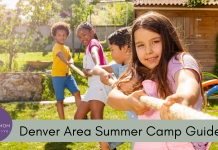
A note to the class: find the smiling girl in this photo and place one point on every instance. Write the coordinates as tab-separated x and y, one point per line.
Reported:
95	97
164	69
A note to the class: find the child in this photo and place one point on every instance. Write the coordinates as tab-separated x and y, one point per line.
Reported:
95	97
161	65
119	45
61	75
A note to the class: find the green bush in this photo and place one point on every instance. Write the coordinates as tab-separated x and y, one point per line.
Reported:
84	48
106	49
215	69
27	67
48	92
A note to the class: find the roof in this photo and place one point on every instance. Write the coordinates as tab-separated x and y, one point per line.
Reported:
167	2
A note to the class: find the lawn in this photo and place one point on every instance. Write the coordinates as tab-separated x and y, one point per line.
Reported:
35	111
20	64
27	111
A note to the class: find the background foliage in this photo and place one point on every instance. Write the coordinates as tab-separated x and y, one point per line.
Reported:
13	41
196	3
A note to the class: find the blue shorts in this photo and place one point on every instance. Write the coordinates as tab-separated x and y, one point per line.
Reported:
60	83
131	115
113	145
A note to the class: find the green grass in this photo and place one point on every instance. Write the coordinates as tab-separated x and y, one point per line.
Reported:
20	64
35	111
21	59
27	111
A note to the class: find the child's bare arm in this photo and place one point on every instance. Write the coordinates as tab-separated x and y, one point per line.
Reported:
61	56
104	75
95	55
128	85
70	59
97	70
187	84
107	68
187	87
187	91
119	101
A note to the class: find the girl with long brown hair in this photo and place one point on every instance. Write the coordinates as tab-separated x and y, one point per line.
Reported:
162	66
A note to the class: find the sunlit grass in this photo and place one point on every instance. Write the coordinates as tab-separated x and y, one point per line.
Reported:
35	111
22	59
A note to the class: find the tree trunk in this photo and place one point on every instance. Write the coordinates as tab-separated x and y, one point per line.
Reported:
10	63
72	28
73	39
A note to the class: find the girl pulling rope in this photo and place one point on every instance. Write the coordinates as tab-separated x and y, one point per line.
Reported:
163	68
95	97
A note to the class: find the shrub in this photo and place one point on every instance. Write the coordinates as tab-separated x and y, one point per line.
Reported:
48	92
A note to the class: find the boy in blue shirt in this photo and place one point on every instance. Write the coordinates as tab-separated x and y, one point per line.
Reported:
119	45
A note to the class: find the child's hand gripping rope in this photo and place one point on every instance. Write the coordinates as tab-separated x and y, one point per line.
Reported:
90	72
79	71
177	111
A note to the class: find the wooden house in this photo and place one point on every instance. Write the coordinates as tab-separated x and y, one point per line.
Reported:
198	26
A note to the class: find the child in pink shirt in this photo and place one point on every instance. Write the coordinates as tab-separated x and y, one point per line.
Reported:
95	97
161	66
150	88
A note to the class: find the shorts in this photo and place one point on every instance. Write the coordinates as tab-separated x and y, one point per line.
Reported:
131	115
99	92
60	83
113	145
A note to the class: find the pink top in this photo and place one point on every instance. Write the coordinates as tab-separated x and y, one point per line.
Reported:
150	87
95	42
188	63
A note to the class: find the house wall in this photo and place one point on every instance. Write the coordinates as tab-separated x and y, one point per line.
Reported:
199	30
101	31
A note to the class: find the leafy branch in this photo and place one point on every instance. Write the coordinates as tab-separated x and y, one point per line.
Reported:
196	3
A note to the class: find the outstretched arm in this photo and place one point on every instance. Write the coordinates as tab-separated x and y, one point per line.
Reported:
187	91
61	56
70	59
95	58
119	101
99	69
95	55
102	71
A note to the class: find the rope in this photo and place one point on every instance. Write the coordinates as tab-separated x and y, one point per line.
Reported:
178	111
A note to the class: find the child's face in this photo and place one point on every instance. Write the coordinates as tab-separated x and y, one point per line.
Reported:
148	47
85	36
61	36
117	54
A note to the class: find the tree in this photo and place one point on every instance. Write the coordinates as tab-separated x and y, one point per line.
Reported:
12	40
114	13
78	13
196	3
